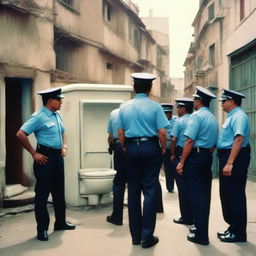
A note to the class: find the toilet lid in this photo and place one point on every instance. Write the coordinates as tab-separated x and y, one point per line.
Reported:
96	173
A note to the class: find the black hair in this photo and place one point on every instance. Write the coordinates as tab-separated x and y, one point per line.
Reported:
205	102
142	86
45	100
189	109
238	101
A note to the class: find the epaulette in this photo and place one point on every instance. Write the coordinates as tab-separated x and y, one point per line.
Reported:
35	113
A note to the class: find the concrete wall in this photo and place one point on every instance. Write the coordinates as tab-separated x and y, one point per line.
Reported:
27	51
229	33
33	35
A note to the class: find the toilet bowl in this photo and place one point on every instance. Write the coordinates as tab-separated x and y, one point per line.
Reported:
96	181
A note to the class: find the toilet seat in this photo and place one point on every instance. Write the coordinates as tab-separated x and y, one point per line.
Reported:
96	173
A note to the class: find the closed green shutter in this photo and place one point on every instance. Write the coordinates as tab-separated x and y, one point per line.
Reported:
243	79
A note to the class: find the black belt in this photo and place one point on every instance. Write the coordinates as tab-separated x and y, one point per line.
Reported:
141	139
48	149
199	149
225	150
116	141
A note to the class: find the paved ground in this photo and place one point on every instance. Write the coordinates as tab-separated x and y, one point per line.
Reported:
95	237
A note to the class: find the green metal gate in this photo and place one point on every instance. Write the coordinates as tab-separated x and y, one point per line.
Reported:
243	79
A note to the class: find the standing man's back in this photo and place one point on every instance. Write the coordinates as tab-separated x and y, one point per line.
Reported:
142	125
119	181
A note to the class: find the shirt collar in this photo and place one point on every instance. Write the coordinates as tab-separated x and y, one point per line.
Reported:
48	111
141	95
233	111
202	108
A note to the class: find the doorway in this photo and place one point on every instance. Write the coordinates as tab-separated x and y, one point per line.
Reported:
18	108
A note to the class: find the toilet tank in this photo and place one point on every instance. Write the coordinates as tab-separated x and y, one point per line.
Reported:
94	115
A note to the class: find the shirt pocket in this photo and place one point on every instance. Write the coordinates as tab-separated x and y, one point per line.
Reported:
226	124
50	125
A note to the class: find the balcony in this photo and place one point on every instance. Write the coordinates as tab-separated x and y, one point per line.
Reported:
42	9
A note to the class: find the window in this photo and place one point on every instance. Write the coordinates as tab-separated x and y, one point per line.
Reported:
69	3
109	65
72	5
134	36
65	51
212	55
211	12
220	3
242	9
107	11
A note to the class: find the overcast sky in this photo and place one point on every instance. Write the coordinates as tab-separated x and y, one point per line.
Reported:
181	14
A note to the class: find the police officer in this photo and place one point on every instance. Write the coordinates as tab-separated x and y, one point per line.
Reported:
169	167
196	160
141	121
119	181
234	158
49	131
184	109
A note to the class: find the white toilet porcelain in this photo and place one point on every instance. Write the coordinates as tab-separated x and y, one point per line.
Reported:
88	165
96	181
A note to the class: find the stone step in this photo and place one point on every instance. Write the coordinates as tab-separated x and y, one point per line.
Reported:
13	190
24	198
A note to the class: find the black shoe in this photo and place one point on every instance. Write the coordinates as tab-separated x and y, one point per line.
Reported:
192	229
42	235
232	238
160	210
136	241
149	243
64	226
114	221
182	221
194	239
222	233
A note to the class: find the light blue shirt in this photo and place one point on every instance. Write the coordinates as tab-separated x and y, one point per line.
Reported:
168	133
113	123
202	128
141	117
47	127
178	130
237	123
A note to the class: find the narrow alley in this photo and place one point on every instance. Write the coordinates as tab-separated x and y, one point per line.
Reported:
95	237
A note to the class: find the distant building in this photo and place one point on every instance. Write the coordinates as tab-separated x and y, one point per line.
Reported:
223	55
159	29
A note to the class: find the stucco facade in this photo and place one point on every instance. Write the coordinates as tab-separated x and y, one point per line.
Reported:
223	32
50	43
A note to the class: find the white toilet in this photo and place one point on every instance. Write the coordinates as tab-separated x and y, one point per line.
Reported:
96	184
88	165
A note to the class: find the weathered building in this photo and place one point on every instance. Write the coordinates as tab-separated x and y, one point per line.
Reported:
159	29
223	55
48	43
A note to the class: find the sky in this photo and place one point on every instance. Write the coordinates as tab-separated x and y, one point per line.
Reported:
181	14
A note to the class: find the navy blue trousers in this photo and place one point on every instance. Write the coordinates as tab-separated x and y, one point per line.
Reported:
198	176
169	170
159	200
143	163
118	182
232	191
49	179
183	192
